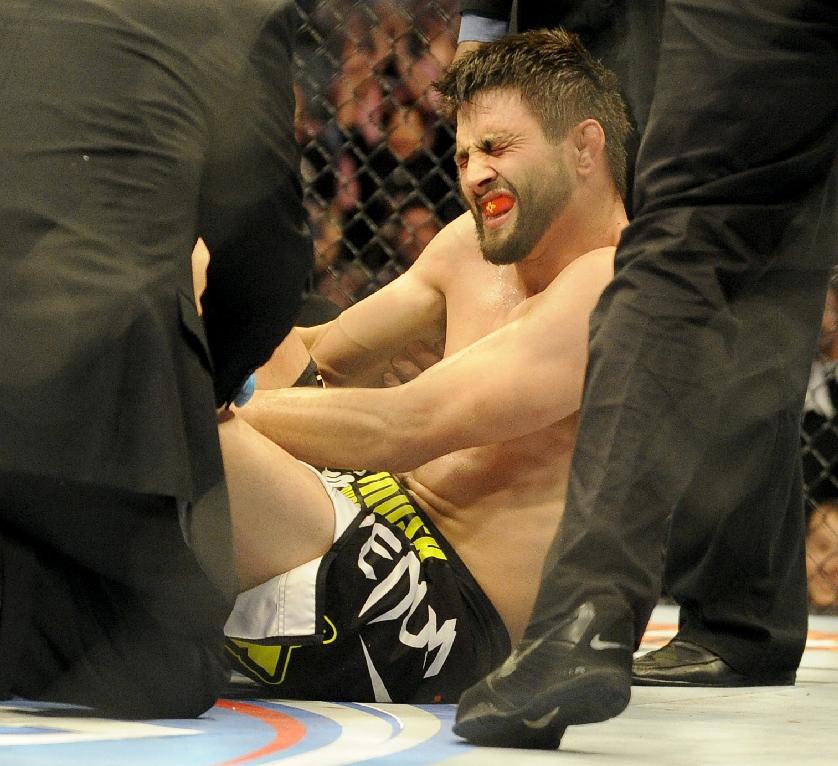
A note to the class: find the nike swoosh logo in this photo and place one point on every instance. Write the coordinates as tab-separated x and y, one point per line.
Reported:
511	663
545	720
597	644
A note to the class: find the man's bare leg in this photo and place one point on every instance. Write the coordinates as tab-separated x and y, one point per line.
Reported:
281	514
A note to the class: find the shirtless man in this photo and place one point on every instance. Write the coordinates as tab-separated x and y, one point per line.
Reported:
435	570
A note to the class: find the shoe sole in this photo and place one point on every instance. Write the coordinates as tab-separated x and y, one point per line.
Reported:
640	681
596	696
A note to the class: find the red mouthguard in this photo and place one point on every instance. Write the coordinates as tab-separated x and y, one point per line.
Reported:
498	206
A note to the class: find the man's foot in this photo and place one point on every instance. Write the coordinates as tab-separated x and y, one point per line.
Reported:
577	672
683	663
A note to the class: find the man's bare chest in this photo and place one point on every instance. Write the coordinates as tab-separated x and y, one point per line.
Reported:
479	307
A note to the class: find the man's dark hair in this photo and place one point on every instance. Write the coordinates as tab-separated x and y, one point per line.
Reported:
558	80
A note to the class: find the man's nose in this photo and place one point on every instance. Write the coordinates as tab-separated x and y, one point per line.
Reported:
478	173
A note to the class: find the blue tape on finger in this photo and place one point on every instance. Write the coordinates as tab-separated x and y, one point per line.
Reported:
246	391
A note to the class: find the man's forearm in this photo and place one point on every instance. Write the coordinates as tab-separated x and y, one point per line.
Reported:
481	22
342	428
481	29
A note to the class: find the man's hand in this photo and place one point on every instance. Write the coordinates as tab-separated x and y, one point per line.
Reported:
417	357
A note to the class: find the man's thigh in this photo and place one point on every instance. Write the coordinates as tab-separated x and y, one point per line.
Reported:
281	514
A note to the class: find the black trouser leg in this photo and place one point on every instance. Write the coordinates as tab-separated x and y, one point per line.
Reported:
648	415
735	553
103	604
731	203
726	248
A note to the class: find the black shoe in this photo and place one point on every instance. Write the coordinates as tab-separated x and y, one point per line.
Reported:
577	672
683	663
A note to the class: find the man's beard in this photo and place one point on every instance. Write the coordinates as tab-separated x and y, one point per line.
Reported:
502	246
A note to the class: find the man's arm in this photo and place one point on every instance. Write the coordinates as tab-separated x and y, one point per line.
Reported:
251	213
289	358
517	380
378	341
491	9
360	346
481	21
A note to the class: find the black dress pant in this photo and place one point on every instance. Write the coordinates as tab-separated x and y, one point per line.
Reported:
103	604
700	349
624	35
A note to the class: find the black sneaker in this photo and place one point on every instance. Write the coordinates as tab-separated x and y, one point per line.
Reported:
578	672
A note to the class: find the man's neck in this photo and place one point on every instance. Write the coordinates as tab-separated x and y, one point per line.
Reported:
577	231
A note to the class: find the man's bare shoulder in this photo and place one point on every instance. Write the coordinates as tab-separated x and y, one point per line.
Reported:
462	233
598	260
454	245
594	268
578	286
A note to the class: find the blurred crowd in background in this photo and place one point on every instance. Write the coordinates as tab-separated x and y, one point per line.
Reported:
377	156
819	441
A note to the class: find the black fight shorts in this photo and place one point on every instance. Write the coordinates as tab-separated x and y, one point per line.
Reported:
389	614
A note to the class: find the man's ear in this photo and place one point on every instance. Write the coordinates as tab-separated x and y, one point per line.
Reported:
589	141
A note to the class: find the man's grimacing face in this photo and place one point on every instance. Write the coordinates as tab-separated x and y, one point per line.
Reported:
514	180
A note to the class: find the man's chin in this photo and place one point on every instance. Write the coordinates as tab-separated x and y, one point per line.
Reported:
500	246
501	256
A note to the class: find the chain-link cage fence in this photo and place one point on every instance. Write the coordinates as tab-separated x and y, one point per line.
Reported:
377	156
380	181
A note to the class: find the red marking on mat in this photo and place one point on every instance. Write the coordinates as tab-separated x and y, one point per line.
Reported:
822	641
288	730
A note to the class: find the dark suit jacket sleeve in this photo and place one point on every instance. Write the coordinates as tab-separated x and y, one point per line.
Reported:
585	17
493	9
252	216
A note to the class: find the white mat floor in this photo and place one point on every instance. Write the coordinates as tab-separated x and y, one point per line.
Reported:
783	726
